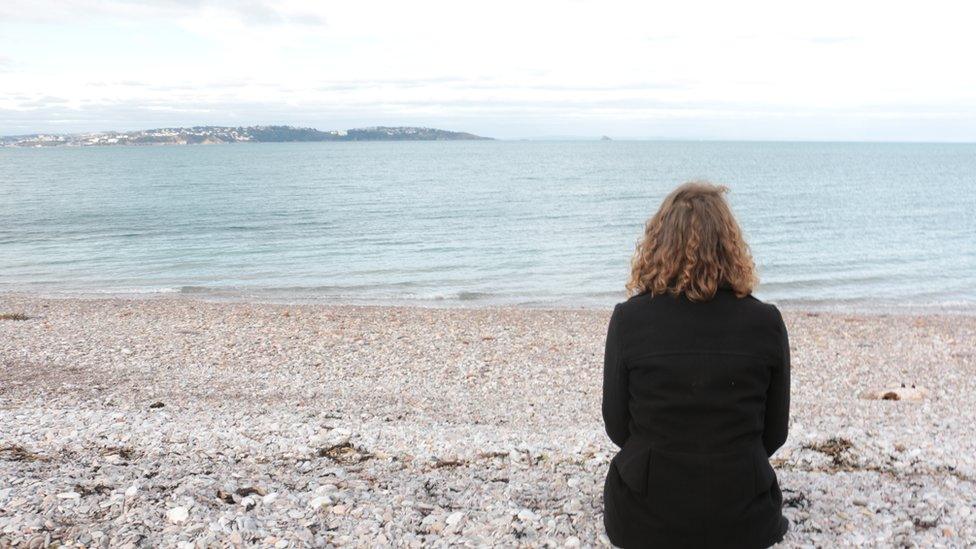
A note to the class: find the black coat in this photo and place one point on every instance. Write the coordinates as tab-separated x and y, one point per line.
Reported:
697	396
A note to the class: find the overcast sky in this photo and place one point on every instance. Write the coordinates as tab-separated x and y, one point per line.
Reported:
850	70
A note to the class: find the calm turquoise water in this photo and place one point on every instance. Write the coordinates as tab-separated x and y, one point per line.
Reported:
532	223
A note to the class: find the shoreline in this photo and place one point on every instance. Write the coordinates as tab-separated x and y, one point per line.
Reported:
853	307
304	424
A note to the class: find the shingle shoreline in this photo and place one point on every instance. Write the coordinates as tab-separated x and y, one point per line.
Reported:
303	425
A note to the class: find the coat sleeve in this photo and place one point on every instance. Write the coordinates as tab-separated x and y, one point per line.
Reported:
616	410
778	394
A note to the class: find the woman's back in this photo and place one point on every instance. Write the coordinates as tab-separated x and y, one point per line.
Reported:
696	394
699	372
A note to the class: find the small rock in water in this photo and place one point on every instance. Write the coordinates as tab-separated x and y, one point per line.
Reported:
177	515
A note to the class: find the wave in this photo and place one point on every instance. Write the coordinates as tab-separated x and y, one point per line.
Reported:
929	302
473	296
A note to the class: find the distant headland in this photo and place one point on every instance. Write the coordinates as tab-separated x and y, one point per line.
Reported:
205	135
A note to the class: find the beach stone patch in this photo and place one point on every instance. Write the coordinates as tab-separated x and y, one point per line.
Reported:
451	427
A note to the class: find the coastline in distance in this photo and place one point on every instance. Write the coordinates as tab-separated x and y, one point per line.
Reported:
207	135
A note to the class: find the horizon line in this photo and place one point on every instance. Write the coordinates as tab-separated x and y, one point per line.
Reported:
540	138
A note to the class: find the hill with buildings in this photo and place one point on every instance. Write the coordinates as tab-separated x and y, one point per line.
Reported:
203	135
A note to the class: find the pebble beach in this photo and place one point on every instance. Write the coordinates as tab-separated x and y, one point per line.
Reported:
174	422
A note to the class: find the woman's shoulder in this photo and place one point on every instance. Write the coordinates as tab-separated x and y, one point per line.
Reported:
755	301
765	314
769	307
748	305
639	301
764	309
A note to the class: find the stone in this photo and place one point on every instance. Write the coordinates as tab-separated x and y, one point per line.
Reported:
320	501
177	515
912	393
454	518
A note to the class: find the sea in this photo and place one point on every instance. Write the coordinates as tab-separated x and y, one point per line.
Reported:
846	226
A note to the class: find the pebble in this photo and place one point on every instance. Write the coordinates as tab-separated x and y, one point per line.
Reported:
320	501
177	515
454	518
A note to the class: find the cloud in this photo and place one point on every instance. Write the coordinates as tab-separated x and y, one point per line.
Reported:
265	13
252	12
830	40
125	64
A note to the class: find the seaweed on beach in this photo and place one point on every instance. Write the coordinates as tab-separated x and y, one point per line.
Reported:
796	500
925	523
16	452
245	491
123	452
97	488
440	463
344	453
837	448
14	316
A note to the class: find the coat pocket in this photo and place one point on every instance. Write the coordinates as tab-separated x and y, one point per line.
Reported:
633	463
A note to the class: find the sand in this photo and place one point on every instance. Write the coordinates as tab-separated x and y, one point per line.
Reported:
173	422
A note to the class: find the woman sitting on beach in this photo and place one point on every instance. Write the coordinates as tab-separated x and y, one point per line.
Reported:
696	387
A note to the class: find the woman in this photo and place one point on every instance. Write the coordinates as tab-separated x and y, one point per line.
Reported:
696	387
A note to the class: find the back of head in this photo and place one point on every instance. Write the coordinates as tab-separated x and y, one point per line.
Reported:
692	246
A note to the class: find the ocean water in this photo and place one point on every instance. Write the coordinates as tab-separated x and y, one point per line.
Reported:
853	226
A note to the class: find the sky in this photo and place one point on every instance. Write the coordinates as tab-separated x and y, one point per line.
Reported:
826	70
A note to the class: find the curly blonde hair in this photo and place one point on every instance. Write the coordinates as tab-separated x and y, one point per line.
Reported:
692	246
